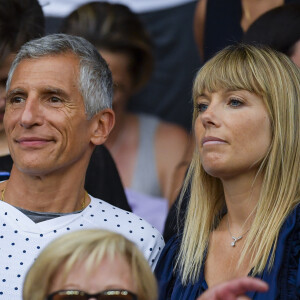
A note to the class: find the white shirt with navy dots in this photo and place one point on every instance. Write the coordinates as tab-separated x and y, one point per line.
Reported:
21	240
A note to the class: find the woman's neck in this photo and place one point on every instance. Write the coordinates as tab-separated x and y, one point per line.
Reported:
241	197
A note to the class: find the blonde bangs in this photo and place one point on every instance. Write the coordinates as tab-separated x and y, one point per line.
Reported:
233	71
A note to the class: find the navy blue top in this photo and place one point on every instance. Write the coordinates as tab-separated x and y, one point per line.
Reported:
283	279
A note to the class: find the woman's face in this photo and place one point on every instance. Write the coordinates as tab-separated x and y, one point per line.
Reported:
108	275
123	88
233	132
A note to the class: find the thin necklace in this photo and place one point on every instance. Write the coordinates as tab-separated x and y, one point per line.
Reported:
235	239
82	202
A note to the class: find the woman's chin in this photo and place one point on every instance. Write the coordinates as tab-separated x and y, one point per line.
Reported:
221	172
215	168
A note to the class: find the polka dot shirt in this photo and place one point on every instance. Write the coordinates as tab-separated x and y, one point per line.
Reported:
21	240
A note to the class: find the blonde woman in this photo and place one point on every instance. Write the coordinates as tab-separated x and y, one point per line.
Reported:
243	216
90	264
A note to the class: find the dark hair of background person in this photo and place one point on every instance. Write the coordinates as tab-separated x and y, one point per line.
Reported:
278	28
21	21
113	27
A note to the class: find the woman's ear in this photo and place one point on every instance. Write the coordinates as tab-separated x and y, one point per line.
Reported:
102	124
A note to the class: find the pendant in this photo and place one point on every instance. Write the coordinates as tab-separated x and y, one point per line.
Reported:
232	244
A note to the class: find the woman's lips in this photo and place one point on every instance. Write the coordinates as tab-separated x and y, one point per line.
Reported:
211	140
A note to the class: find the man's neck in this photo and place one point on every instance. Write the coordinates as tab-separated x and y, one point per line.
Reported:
56	192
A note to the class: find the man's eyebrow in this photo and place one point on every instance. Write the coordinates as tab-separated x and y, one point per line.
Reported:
46	90
54	90
15	92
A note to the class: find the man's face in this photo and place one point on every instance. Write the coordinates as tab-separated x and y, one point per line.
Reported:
45	120
4	69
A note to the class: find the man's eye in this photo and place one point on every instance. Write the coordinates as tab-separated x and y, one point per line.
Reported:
17	100
201	107
55	100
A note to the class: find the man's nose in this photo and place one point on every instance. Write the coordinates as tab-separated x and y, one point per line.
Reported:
32	113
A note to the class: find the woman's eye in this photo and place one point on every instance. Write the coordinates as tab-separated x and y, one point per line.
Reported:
235	102
201	107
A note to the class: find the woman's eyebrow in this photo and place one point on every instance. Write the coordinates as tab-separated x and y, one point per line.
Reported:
203	95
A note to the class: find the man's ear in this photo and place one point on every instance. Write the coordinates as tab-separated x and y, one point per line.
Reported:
102	124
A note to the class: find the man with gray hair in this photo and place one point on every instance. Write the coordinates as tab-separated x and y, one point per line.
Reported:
59	94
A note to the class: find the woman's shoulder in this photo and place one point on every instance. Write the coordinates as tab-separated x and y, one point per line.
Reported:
289	237
166	263
291	226
289	241
293	272
169	278
165	267
293	222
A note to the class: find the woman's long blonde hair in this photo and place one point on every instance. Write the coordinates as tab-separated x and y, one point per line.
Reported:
273	77
89	247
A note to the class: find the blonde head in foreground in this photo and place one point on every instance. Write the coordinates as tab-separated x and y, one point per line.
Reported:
89	248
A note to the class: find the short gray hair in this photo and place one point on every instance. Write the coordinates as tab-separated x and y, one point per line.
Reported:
95	80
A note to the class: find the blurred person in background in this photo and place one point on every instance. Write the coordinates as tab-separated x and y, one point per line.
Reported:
234	17
170	25
145	149
279	29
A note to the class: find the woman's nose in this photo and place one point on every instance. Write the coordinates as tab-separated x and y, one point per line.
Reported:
210	117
